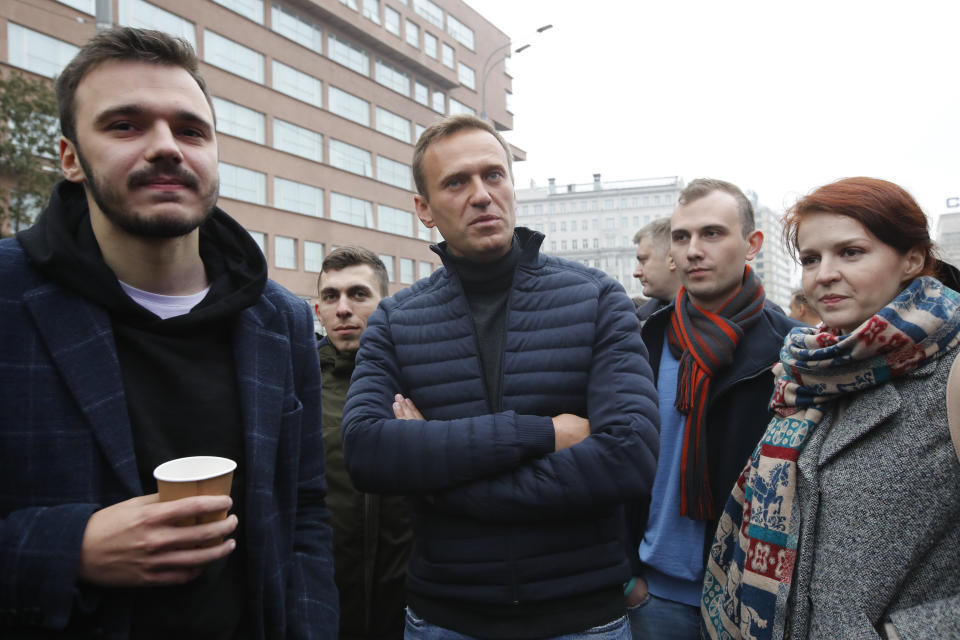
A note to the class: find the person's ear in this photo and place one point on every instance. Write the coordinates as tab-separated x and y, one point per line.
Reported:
754	243
423	211
70	162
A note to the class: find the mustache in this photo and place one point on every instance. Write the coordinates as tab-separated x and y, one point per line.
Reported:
157	171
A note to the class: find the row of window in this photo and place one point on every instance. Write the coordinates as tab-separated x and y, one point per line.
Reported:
285	256
609	223
667	199
240	183
583	245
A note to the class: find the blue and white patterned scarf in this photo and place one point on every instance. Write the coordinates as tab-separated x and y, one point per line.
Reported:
750	567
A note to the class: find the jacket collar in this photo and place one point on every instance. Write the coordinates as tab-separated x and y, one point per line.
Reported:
529	240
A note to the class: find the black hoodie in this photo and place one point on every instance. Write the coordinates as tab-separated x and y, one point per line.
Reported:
179	380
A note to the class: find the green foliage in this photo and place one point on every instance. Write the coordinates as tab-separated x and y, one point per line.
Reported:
29	135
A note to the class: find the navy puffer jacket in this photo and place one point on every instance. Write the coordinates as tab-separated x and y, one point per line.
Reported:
500	517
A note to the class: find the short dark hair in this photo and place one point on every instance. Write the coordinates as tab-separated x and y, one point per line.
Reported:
343	257
122	44
702	187
447	127
798	297
659	233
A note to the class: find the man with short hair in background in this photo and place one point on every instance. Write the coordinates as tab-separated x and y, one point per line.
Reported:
655	268
801	310
711	351
509	395
371	533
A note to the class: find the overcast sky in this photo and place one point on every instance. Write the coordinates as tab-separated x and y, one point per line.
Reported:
778	97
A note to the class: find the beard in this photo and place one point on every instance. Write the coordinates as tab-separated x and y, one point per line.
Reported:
113	203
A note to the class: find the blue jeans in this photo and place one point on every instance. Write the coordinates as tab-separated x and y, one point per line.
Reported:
419	629
664	620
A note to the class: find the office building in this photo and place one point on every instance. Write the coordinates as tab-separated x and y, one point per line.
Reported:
948	238
774	265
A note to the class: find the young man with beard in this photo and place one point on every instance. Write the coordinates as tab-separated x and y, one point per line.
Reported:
138	326
712	350
509	395
371	533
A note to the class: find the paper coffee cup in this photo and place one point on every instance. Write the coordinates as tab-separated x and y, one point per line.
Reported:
195	476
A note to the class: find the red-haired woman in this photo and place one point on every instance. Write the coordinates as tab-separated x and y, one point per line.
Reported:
846	521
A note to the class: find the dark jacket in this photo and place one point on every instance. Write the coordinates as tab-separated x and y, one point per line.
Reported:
499	517
737	413
371	533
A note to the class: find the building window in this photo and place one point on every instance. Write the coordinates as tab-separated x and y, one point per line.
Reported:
143	15
284	252
406	271
297	140
509	101
467	76
292	26
426	268
458	107
297	197
563	226
553	245
392	78
438	102
424	232
418	130
388	263
573	244
236	120
394	220
312	256
350	158
36	52
232	56
507	64
260	239
348	106
391	20
430	11
252	9
239	183
610	223
87	6
352	4
371	10
447	55
430	43
596	245
413	34
351	210
563	245
421	93
348	55
583	225
297	84
392	172
460	32
393	125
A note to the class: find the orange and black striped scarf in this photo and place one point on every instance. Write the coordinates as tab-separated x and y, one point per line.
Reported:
704	342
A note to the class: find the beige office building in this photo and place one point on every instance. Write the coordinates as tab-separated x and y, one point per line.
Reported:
319	104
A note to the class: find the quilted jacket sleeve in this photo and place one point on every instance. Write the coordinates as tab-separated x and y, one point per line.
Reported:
614	465
386	455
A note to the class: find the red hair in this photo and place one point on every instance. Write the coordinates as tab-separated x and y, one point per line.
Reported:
883	208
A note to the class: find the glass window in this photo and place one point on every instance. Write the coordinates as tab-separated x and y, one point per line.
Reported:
297	140
371	10
350	3
348	106
297	84
350	158
391	20
298	197
394	220
413	34
430	11
418	130
260	239
388	263
448	55
424	233
292	26
312	256
252	9
348	55
583	225
509	101
563	226
393	125
242	184
553	245
36	52
232	56
430	43
563	245
421	93
458	107
351	210
438	102
596	245
284	252
392	78
507	64
467	76
143	15
573	244
406	271
87	6
392	172
460	32
236	120
426	268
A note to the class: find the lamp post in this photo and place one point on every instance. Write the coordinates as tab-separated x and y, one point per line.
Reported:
491	63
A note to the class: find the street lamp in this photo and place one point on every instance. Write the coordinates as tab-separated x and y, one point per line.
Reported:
491	63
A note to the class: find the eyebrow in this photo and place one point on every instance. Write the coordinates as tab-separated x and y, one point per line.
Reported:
350	289
139	111
465	171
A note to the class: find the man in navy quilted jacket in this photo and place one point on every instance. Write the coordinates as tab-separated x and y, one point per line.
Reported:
509	395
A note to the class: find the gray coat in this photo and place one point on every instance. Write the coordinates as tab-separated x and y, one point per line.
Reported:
879	489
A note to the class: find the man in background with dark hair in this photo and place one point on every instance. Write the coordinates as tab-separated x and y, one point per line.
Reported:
655	268
371	533
138	326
